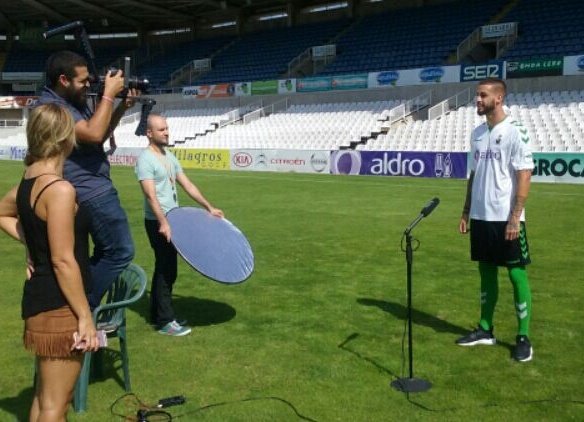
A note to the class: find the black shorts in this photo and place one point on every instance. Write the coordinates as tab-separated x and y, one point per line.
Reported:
488	244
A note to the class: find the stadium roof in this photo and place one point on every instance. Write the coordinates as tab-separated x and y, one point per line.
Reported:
123	15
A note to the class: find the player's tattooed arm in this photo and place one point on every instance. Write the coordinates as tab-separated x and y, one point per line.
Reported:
466	207
523	183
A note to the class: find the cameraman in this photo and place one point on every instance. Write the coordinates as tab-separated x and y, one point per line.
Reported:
88	168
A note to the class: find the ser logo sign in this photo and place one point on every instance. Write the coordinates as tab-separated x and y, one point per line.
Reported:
482	71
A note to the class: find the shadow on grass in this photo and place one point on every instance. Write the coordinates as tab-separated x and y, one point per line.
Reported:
197	312
422	318
352	337
107	363
19	405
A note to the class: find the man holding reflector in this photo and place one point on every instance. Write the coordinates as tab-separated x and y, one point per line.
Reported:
158	172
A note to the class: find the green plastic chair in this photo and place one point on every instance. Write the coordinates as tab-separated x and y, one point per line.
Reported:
111	317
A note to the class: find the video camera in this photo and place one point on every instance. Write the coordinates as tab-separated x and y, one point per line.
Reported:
130	82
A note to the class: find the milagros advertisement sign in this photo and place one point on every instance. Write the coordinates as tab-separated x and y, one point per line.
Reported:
214	159
420	76
282	160
400	163
574	65
558	167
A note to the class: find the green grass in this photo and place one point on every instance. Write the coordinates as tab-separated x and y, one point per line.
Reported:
329	270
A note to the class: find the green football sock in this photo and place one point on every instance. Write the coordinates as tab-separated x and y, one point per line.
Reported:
522	298
489	293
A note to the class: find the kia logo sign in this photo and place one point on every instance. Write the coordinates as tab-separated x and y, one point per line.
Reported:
431	74
387	78
242	159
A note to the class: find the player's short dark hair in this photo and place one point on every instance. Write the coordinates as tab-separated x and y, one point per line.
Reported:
495	81
63	63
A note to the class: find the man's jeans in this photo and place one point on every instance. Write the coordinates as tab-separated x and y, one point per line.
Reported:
113	246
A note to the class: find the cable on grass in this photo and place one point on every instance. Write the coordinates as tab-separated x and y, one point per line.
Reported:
137	411
142	412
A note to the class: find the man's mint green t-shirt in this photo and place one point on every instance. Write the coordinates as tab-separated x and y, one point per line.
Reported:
163	169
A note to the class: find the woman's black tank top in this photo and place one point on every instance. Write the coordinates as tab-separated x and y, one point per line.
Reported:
42	292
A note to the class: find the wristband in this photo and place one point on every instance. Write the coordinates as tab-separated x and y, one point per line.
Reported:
108	99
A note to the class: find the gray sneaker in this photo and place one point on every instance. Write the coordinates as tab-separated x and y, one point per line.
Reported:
174	329
478	336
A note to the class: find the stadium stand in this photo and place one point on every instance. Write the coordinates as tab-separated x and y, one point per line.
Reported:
547	28
406	38
314	126
266	54
159	67
554	119
183	125
409	38
23	58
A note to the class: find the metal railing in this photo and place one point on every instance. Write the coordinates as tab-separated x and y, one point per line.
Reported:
468	44
401	111
229	117
506	42
281	105
451	103
254	115
305	55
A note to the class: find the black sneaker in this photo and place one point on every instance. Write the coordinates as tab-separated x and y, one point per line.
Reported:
478	336
523	351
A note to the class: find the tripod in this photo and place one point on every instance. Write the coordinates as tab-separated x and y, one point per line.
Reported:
411	384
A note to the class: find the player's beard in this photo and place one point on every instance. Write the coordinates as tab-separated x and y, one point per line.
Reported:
77	97
486	108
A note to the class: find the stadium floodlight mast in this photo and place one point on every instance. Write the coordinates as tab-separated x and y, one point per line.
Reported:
411	384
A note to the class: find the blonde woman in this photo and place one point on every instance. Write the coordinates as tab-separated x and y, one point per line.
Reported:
42	213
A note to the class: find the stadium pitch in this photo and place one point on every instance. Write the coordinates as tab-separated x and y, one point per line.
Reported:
317	332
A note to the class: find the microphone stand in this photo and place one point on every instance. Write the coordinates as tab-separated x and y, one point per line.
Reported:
410	384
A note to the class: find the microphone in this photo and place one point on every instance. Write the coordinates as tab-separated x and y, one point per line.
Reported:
63	28
429	207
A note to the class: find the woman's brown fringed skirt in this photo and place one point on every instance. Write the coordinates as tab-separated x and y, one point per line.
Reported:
50	333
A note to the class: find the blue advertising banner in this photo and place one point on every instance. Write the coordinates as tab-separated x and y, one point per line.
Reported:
477	72
400	163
